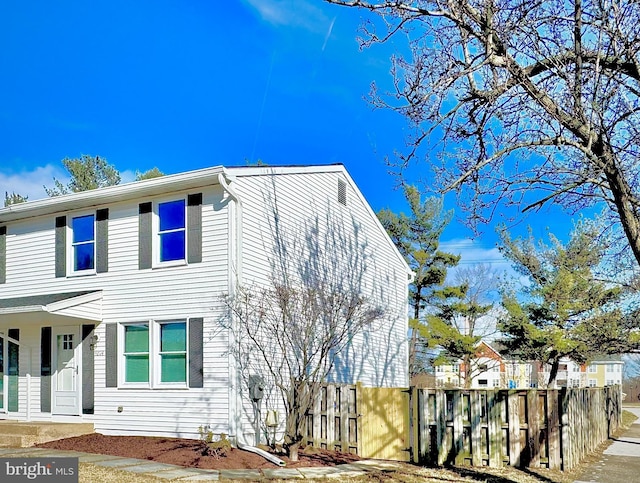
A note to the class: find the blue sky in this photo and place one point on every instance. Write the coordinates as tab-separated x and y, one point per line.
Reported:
183	85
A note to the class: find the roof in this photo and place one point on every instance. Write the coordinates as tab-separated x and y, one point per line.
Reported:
63	304
110	194
148	187
170	183
38	300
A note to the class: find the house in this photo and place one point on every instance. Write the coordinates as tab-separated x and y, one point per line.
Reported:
110	299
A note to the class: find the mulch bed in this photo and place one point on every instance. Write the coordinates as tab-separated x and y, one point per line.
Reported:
190	453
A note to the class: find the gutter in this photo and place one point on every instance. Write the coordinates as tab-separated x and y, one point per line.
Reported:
234	277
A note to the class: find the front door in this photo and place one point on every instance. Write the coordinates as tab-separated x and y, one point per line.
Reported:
66	376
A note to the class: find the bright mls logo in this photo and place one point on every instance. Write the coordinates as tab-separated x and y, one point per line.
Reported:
52	470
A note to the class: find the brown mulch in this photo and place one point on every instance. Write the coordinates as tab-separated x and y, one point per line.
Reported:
190	452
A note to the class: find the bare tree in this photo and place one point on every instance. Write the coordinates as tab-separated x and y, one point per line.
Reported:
527	103
293	329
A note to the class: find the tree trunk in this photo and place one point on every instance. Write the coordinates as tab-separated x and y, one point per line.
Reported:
293	451
553	374
467	372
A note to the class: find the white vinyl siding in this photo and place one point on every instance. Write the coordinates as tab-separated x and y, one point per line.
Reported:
131	294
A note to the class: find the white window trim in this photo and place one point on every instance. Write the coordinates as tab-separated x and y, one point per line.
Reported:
156	234
70	252
154	356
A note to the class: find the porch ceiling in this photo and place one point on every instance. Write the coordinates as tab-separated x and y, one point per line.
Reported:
85	305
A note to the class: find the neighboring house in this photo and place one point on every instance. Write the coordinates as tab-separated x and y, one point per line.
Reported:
490	370
605	371
110	299
486	368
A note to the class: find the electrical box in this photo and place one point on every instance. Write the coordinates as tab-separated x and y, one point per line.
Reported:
256	387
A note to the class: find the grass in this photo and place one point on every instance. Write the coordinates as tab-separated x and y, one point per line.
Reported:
406	474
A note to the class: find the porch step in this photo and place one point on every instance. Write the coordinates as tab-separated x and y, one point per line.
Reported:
15	434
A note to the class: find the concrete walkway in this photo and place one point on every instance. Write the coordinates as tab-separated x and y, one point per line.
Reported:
180	473
620	462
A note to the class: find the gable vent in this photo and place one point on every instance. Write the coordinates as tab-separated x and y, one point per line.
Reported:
342	192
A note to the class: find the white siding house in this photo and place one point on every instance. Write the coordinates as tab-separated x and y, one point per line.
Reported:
110	299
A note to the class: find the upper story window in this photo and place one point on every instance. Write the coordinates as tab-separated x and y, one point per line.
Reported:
171	231
83	243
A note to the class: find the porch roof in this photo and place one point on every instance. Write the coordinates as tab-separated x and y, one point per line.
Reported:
81	305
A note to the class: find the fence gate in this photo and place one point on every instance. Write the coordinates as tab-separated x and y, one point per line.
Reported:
384	417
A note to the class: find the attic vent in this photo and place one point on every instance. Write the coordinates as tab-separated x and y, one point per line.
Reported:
342	192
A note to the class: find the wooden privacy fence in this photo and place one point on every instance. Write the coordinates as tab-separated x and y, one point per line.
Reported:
524	428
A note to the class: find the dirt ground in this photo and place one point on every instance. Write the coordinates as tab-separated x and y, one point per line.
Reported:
189	452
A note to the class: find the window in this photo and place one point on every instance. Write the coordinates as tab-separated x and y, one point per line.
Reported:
83	243
609	368
171	231
592	383
496	383
136	353
592	368
609	382
155	353
173	352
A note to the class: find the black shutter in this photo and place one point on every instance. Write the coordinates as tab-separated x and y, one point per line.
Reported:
145	236
87	368
111	353
102	240
13	370
3	254
196	378
194	228
45	369
61	246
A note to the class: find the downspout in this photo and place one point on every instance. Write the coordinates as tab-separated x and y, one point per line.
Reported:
235	268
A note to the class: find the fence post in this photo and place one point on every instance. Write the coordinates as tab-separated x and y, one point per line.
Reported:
475	401
423	424
533	428
441	426
494	429
513	416
553	429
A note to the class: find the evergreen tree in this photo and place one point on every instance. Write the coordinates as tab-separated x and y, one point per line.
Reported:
417	237
149	174
13	198
87	173
565	310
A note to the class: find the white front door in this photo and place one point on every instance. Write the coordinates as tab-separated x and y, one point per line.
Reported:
66	375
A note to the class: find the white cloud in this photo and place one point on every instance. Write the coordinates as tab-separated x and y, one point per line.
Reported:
31	183
292	13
